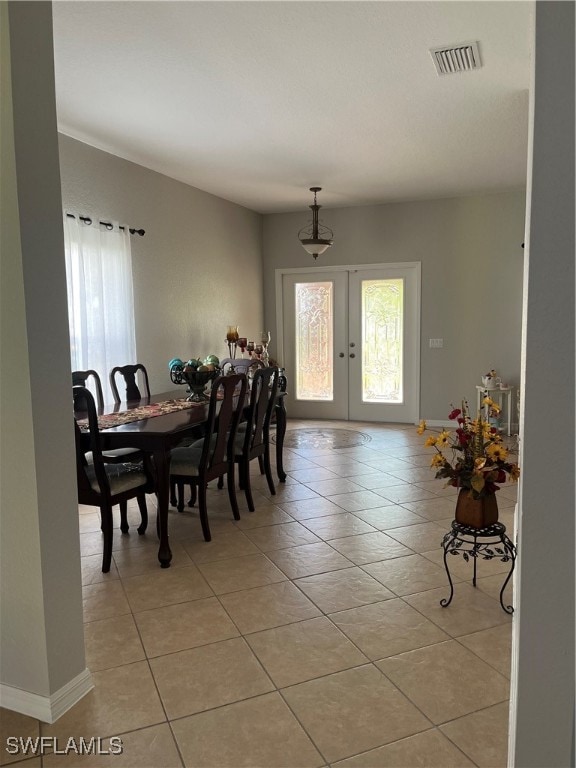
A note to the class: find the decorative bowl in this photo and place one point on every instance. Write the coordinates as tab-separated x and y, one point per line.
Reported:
196	380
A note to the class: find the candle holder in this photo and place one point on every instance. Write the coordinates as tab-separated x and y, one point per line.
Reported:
232	337
265	341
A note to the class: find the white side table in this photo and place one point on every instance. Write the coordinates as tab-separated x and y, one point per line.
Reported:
497	394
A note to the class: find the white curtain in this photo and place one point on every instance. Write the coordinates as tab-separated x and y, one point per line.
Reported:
100	297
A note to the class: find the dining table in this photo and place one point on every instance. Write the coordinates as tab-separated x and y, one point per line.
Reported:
155	425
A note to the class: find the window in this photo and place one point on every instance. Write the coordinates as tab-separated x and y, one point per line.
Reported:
100	297
382	340
314	341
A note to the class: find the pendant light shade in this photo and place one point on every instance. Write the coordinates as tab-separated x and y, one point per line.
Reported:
315	237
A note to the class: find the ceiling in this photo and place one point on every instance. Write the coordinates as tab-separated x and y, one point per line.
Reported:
258	101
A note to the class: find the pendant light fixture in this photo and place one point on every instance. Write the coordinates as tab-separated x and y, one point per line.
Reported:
315	237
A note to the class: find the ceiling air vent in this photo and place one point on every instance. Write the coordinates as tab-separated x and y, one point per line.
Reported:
456	58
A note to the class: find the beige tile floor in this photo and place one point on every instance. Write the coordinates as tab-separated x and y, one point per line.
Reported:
307	634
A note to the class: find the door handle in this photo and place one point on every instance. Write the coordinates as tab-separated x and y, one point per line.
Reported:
352	355
341	354
352	344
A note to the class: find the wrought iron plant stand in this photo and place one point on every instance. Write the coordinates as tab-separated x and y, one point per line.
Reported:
473	543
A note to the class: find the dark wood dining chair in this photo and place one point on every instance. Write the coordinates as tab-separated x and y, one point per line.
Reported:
120	455
245	365
129	374
103	485
212	456
253	437
82	378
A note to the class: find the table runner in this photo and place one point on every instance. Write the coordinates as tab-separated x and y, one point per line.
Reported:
109	420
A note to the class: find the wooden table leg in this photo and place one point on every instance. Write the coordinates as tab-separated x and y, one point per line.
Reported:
280	432
162	466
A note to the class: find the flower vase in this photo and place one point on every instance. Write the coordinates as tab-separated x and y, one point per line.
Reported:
477	513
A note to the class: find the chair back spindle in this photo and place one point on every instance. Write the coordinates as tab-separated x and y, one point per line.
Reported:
81	378
129	374
256	441
262	402
223	418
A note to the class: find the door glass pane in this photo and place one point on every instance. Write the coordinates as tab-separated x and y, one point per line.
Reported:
382	332
314	341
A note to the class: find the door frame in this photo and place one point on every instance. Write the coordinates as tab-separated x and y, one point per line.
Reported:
416	266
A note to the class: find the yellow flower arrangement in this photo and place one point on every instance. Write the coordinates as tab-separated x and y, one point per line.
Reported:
479	459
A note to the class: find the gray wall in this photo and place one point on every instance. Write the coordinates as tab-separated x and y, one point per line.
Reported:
42	635
542	691
472	262
197	269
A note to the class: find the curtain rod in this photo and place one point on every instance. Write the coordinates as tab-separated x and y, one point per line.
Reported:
107	224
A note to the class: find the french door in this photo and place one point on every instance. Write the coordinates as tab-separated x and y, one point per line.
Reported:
350	341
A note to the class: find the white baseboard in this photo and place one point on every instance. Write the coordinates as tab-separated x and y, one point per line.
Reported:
47	708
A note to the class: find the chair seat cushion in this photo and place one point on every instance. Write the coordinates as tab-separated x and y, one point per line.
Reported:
117	453
121	477
117	456
185	460
239	442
